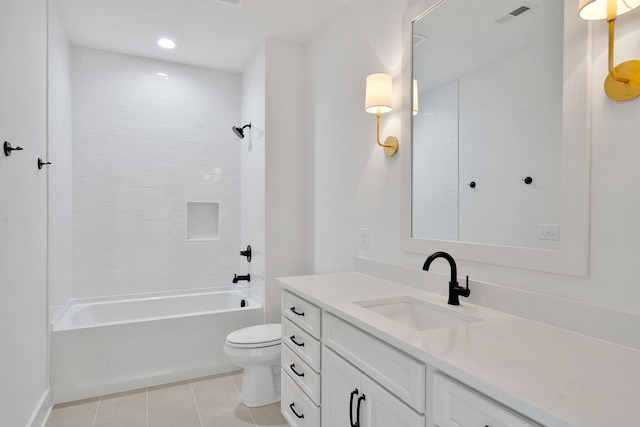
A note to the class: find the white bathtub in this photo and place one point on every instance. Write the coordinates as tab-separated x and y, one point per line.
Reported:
106	345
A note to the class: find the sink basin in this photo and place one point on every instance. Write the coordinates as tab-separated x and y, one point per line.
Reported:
417	314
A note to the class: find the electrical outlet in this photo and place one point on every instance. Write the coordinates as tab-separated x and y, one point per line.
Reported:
548	232
364	238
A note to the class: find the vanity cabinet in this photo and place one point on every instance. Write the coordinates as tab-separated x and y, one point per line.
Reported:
334	374
300	361
455	405
350	397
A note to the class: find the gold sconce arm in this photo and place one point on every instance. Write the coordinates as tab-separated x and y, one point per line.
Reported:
612	69
390	144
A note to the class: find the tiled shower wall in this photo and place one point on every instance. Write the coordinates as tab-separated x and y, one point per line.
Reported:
148	137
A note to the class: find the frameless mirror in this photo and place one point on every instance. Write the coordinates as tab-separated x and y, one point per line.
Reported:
495	172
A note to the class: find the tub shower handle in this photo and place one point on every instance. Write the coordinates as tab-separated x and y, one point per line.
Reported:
293	310
293	368
294	411
293	339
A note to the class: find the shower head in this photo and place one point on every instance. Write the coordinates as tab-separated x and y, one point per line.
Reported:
239	131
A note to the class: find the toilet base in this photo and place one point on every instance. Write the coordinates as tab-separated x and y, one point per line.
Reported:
260	385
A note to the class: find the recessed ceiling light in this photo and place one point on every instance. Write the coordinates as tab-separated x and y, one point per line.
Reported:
166	43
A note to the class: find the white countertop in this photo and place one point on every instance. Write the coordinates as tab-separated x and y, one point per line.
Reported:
553	376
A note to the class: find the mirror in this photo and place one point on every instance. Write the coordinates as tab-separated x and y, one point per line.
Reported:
490	113
494	172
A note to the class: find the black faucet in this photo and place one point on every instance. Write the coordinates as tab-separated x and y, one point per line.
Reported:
237	278
454	289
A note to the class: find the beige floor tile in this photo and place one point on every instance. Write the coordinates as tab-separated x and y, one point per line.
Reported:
170	402
239	417
135	421
121	405
269	415
175	417
215	394
236	377
169	389
74	414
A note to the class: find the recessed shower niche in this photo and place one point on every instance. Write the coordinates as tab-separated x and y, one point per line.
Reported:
203	220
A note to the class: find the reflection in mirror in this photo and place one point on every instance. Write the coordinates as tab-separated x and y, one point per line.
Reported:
490	82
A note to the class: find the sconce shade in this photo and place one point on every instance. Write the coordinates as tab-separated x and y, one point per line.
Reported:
592	10
378	97
415	97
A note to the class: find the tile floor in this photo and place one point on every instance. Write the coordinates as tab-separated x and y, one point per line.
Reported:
202	402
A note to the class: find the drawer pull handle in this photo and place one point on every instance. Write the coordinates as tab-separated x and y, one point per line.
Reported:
293	368
353	393
294	412
360	399
293	340
293	310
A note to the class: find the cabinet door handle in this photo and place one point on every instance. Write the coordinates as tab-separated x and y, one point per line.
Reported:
360	399
293	368
353	393
293	310
294	412
293	339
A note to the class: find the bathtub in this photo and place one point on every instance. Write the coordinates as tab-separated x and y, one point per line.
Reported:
107	345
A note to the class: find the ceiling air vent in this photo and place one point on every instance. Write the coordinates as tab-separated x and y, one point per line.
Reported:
520	10
514	13
234	3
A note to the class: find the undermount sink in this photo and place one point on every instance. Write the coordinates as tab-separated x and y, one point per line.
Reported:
417	314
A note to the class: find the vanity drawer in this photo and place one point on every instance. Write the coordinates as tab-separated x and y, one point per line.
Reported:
400	374
296	407
455	405
301	374
302	344
302	313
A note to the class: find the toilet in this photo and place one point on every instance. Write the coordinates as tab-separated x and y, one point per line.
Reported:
257	350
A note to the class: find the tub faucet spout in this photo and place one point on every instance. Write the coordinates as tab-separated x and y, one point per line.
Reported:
454	290
237	278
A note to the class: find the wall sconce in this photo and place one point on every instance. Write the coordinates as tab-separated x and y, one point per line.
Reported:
378	100
415	97
623	81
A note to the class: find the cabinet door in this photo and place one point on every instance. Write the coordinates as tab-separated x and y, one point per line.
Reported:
339	381
379	408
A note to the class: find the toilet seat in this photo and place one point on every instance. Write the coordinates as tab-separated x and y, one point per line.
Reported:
257	336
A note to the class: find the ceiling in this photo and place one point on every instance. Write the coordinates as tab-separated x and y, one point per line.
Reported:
209	34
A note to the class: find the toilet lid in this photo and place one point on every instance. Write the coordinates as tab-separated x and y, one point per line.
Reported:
256	336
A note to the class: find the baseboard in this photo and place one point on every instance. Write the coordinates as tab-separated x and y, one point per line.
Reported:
137	383
41	414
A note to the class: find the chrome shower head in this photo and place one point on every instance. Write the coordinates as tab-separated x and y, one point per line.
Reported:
239	131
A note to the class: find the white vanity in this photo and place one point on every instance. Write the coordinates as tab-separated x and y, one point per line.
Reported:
361	351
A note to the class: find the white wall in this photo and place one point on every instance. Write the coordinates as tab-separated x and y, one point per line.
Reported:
355	186
285	155
143	146
59	150
23	214
252	200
